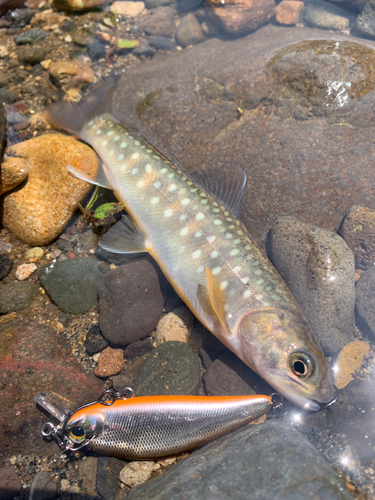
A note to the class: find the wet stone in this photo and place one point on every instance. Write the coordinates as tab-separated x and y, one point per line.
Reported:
20	18
10	485
324	15
138	472
365	291
264	461
358	230
365	22
159	22
138	348
73	284
96	50
107	479
348	361
173	368
95	342
87	470
161	43
17	296
7	96
31	55
152	4
129	374
176	325
130	302
318	268
189	31
111	362
144	50
6	265
30	37
289	11
44	486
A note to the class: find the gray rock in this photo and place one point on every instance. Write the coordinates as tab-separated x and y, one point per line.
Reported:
17	296
159	22
365	291
20	18
318	267
14	118
3	79
228	375
320	14
173	368
8	97
30	37
152	4
129	374
30	55
73	284
260	462
87	471
43	487
10	485
107	482
130	301
189	31
87	241
143	50
138	349
189	5
162	43
365	22
95	342
358	230
6	265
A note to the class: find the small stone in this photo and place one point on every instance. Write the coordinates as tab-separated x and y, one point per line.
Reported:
30	55
143	50
96	357
10	485
365	290
152	4
21	17
107	477
76	5
34	253
324	15
38	212
96	50
13	172
60	327
4	52
95	342
137	472
65	484
45	484
162	43
111	362
6	265
289	12
7	96
17	296
167	461
24	271
46	18
30	37
127	9
46	64
159	22
349	360
138	349
71	73
189	31
358	230
176	325
87	470
3	79
365	22
129	374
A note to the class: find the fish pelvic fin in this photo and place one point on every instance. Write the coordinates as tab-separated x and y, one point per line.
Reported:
216	301
97	177
124	237
73	116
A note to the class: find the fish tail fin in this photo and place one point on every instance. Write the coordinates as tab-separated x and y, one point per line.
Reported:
73	116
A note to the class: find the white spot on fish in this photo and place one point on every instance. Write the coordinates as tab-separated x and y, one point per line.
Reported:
247	247
123	145
256	263
135	156
214	254
181	249
189	183
216	210
200	269
268	288
239	233
198	234
182	191
237	269
117	138
215	204
183	217
120	157
112	152
247	294
168	212
236	242
184	231
148	168
172	187
234	252
110	132
216	270
104	143
229	236
134	171
217	222
140	184
224	284
98	132
259	297
199	216
229	219
149	150
226	213
211	239
196	254
170	176
258	272
137	143
185	201
260	282
204	202
154	200
194	190
157	184
123	168
163	170
245	280
203	195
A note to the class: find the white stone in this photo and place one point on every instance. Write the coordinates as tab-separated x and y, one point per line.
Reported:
138	472
176	325
25	270
127	9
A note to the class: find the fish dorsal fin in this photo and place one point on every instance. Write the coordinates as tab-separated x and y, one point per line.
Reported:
99	177
123	237
228	191
216	299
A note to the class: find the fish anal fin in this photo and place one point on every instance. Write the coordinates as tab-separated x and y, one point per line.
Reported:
123	237
97	177
216	300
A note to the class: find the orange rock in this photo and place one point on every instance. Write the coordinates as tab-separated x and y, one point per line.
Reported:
38	212
71	73
349	360
242	16
13	172
111	362
289	11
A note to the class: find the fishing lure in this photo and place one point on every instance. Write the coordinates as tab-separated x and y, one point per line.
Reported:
124	426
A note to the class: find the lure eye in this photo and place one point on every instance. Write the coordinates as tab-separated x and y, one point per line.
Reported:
77	434
302	364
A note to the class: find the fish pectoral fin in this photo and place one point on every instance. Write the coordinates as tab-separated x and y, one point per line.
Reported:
123	237
216	300
99	177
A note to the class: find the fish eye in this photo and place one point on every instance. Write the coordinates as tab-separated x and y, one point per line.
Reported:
302	364
77	434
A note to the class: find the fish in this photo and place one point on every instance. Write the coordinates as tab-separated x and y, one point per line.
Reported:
155	426
190	225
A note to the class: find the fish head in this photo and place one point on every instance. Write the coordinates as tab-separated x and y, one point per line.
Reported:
84	425
280	346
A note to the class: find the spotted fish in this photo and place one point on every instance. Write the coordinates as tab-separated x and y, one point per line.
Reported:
191	228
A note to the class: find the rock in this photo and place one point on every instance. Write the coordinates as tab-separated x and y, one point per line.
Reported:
161	43
138	472
349	360
143	50
95	342
44	486
3	79
30	37
129	374
38	212
365	22
10	485
34	253
138	349
228	375
47	18
159	22
189	31
264	461
184	6
6	265
176	325
13	172
76	5
71	73
7	96
240	17
128	9
289	11
324	15
130	302
152	4
173	368
318	268
87	470
24	271
111	362
358	230
4	52
107	481
19	18
17	296
30	55
96	50
364	304
34	359
73	284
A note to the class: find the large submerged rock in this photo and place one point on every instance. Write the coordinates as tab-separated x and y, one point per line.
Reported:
305	136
